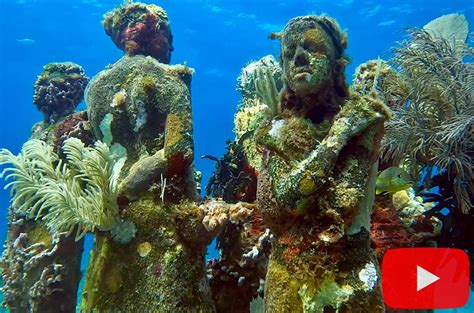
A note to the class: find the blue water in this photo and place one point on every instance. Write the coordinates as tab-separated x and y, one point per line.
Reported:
217	38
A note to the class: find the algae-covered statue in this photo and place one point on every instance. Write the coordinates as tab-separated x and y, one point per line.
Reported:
141	107
315	189
41	262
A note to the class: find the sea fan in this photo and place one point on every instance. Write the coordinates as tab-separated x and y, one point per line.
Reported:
79	194
432	125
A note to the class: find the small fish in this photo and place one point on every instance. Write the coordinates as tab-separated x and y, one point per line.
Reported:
393	179
26	41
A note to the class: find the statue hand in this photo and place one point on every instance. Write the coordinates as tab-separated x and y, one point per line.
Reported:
377	103
358	114
143	173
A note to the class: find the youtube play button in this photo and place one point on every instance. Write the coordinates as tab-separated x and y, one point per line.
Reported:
425	278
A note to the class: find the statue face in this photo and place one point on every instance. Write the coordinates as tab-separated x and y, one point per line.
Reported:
307	54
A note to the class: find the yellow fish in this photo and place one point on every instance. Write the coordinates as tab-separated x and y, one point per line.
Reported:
393	179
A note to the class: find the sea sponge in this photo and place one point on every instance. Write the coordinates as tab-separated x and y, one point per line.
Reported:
218	212
144	249
59	89
410	208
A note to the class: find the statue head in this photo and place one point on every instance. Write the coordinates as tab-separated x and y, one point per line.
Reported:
312	55
138	28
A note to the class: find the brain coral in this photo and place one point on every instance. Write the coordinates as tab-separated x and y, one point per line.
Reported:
59	89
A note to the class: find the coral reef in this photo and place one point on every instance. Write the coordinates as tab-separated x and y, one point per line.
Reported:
73	126
456	226
138	28
434	131
244	245
387	231
41	266
59	89
40	271
399	220
241	268
430	134
292	197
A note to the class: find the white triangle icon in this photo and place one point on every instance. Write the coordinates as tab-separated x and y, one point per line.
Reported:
424	278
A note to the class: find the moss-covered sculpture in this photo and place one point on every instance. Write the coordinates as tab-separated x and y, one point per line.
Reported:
59	89
41	263
146	117
317	182
138	28
41	271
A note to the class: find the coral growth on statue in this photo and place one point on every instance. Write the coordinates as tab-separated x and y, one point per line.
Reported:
138	28
289	203
315	186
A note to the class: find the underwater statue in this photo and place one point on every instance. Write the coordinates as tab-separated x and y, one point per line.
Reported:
141	108
317	181
41	266
137	28
291	199
398	216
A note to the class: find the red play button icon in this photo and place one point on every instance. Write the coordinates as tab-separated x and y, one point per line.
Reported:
425	278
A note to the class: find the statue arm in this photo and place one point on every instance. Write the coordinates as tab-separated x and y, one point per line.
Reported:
174	158
179	147
310	174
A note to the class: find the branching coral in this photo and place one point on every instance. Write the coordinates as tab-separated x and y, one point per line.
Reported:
80	194
434	114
